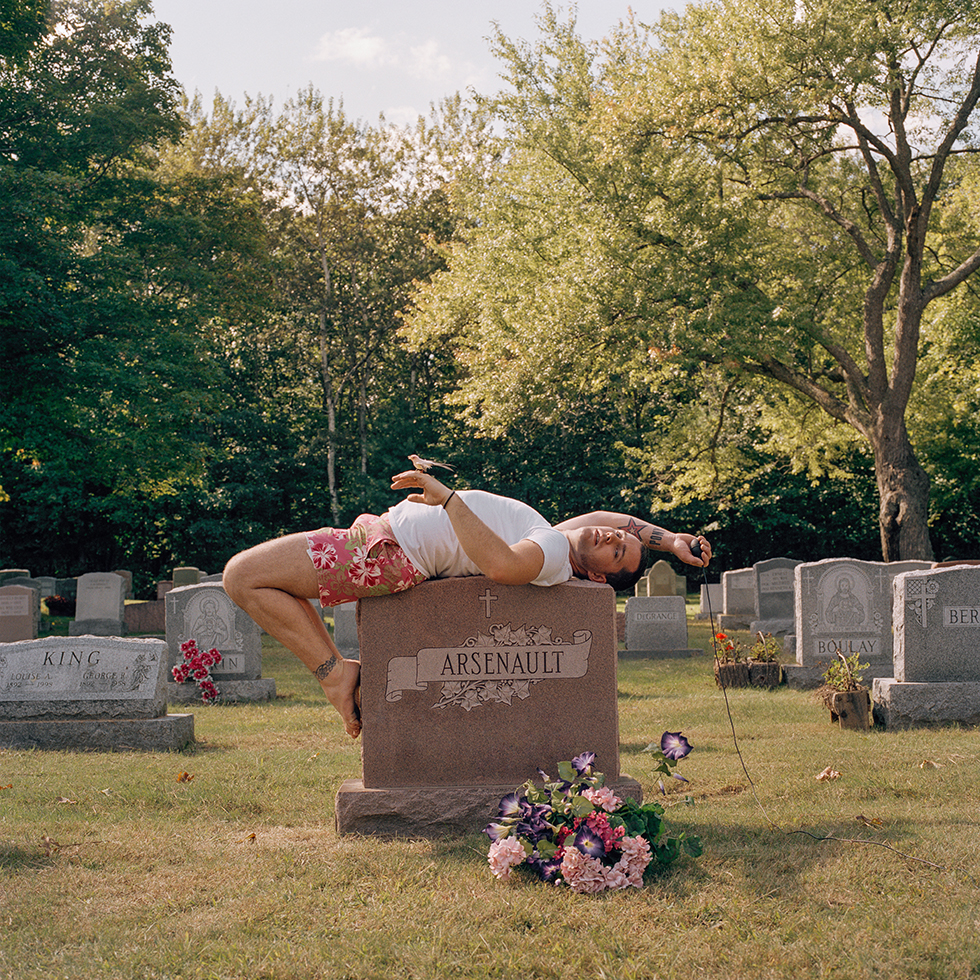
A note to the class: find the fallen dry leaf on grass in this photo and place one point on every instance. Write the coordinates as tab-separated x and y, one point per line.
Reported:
247	837
869	821
184	777
829	773
64	799
929	764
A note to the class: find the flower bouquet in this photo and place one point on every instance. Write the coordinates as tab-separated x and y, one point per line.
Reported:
576	831
197	667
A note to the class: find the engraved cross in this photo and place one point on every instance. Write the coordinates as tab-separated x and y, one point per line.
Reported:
487	598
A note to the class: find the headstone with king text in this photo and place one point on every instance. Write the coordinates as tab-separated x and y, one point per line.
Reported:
88	692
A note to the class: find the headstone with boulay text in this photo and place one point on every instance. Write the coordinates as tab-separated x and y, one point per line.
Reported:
206	614
843	606
88	692
936	616
467	688
100	606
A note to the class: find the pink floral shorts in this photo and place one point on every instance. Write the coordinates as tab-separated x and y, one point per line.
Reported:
361	561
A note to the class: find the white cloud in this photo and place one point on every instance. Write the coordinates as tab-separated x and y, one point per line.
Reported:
429	63
355	45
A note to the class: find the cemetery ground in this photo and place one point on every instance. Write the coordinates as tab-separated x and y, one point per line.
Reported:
223	862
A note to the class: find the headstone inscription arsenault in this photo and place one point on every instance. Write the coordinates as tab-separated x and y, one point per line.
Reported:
205	613
100	606
738	599
656	627
18	619
467	688
774	583
88	692
936	615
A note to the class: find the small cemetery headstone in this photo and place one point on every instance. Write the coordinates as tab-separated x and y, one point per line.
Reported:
18	616
738	599
345	629
35	586
146	617
774	581
467	688
67	587
49	585
656	627
164	587
100	606
186	575
206	614
88	692
127	577
663	579
9	573
843	605
936	616
712	601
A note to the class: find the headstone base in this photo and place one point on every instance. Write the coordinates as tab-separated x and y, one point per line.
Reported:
778	627
431	811
260	689
96	627
806	677
898	704
658	654
171	733
726	621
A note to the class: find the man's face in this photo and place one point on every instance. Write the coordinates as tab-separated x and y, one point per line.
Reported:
596	552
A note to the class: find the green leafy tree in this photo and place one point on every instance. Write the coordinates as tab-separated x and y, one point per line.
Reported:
748	190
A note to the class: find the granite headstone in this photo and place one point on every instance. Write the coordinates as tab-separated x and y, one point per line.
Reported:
100	608
656	627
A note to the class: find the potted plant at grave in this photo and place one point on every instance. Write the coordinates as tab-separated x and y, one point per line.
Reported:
731	667
842	692
764	667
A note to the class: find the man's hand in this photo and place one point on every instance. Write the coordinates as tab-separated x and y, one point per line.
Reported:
434	493
682	548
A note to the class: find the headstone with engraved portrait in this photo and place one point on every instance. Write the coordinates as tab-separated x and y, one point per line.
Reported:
205	613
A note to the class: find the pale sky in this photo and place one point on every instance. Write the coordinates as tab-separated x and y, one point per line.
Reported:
390	56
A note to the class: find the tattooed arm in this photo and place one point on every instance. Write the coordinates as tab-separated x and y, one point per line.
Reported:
653	537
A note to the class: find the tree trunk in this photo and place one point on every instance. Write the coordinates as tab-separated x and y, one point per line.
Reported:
903	489
330	404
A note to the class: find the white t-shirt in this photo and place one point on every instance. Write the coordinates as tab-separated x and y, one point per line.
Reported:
426	535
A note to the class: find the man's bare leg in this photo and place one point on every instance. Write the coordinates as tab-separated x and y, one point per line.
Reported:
273	582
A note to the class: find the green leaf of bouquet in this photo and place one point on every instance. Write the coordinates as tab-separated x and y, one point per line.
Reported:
581	807
693	846
566	771
547	849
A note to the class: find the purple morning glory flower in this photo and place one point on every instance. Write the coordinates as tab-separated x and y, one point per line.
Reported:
547	869
496	830
535	824
674	746
583	763
511	805
589	842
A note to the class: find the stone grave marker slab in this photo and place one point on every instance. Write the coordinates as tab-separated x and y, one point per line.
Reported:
100	605
467	688
775	602
936	615
186	575
712	601
656	627
345	629
205	613
18	618
9	573
738	599
87	692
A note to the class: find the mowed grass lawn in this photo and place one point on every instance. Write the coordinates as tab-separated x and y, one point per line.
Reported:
112	866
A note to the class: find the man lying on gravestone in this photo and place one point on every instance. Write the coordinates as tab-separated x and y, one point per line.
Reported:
438	533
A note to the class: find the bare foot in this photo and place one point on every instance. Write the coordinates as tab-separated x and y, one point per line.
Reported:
341	683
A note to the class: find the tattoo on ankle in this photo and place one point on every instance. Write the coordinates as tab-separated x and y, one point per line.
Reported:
324	669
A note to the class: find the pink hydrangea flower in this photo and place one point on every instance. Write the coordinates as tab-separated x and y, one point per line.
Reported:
582	874
603	797
504	855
